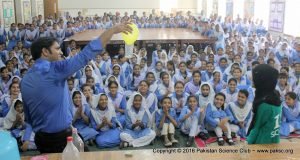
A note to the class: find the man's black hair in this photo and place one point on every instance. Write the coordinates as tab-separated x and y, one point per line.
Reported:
38	45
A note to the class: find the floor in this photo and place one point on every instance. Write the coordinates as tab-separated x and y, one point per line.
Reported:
158	143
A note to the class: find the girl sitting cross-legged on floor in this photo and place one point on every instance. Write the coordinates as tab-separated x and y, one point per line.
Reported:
217	120
166	121
290	114
81	114
15	123
104	120
137	132
239	113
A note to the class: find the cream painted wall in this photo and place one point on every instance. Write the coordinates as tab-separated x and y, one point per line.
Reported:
209	7
199	6
291	21
35	10
238	8
184	4
261	10
1	11
20	10
202	7
92	7
222	8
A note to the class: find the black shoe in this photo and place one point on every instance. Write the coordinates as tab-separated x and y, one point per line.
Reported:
86	148
190	142
233	135
230	141
152	142
91	142
221	142
203	136
123	144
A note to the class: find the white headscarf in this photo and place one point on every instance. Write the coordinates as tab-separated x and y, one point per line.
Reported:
281	52
164	61
187	51
97	72
98	114
162	88
11	116
228	70
217	71
11	80
211	51
83	102
203	101
277	62
121	70
120	89
7	96
153	87
138	59
240	113
139	56
138	116
94	75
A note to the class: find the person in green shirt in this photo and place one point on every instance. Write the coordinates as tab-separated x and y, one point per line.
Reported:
265	125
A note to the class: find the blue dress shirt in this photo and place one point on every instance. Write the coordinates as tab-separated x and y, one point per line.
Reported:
47	104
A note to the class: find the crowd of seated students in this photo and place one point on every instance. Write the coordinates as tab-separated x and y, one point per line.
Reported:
121	101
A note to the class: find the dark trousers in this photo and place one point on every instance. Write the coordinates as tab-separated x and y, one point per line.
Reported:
52	142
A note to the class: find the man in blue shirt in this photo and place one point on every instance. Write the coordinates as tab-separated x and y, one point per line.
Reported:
47	104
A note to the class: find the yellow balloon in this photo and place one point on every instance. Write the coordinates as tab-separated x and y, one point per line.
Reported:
130	38
135	31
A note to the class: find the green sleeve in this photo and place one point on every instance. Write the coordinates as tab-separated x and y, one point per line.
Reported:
261	118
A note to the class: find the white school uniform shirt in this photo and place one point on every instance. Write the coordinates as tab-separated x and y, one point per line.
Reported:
143	110
99	115
230	97
32	34
10	118
283	91
22	33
